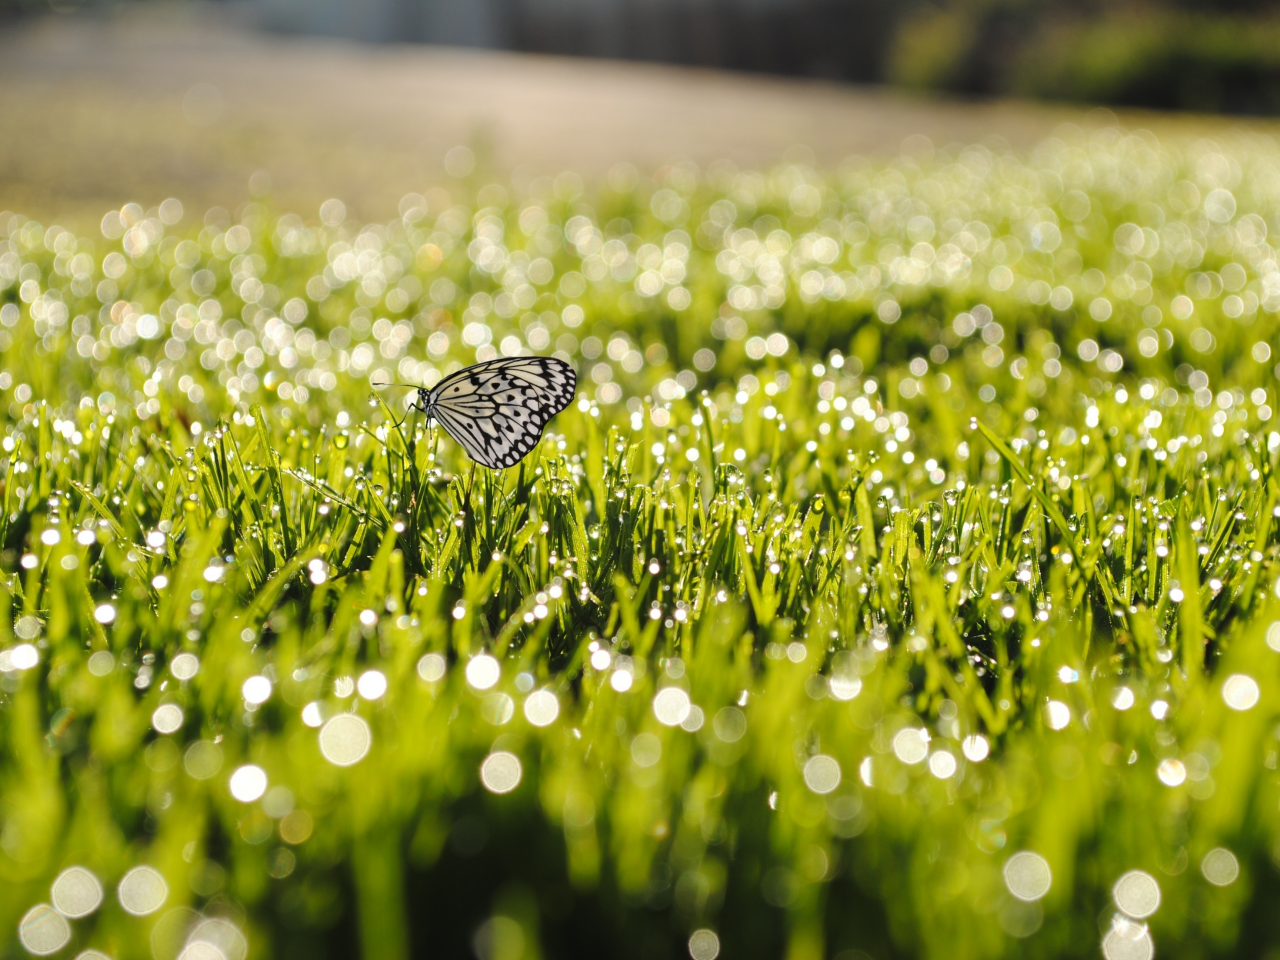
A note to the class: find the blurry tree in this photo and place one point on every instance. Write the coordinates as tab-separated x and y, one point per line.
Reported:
1222	57
1207	55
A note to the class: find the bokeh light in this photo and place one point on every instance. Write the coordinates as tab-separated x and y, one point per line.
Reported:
167	718
1220	867
1240	691
256	690
203	759
372	684
345	739
142	891
704	944
671	706
431	667
43	930
483	672
501	772
76	893
101	663
221	936
248	783
942	764
1027	875
1137	894
1172	772
1127	941
541	708
184	666
911	745
822	774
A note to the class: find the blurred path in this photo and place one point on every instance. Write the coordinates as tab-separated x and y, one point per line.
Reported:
190	101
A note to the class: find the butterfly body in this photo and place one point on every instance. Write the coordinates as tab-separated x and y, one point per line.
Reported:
497	410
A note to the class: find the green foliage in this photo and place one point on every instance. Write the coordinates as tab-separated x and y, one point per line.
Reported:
932	50
1169	60
909	517
1160	56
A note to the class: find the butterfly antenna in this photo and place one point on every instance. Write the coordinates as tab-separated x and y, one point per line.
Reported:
411	386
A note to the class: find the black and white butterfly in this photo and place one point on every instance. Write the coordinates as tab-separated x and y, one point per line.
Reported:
497	410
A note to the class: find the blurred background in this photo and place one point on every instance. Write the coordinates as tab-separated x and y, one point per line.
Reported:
104	102
1205	55
1166	54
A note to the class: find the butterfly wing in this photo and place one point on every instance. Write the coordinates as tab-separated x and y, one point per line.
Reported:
497	410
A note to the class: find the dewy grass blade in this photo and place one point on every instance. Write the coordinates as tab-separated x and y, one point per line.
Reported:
1096	571
101	508
756	612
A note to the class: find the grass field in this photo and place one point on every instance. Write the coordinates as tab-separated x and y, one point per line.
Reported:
903	579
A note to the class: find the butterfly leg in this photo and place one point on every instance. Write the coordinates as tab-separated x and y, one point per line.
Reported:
409	409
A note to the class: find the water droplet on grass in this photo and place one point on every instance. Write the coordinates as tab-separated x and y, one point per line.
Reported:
1027	875
142	891
76	893
345	739
43	930
501	772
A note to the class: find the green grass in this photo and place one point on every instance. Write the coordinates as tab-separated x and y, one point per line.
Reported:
966	443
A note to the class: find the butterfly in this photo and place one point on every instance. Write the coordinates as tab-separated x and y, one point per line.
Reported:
496	410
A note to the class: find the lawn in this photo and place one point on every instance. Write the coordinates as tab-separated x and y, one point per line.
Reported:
902	582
